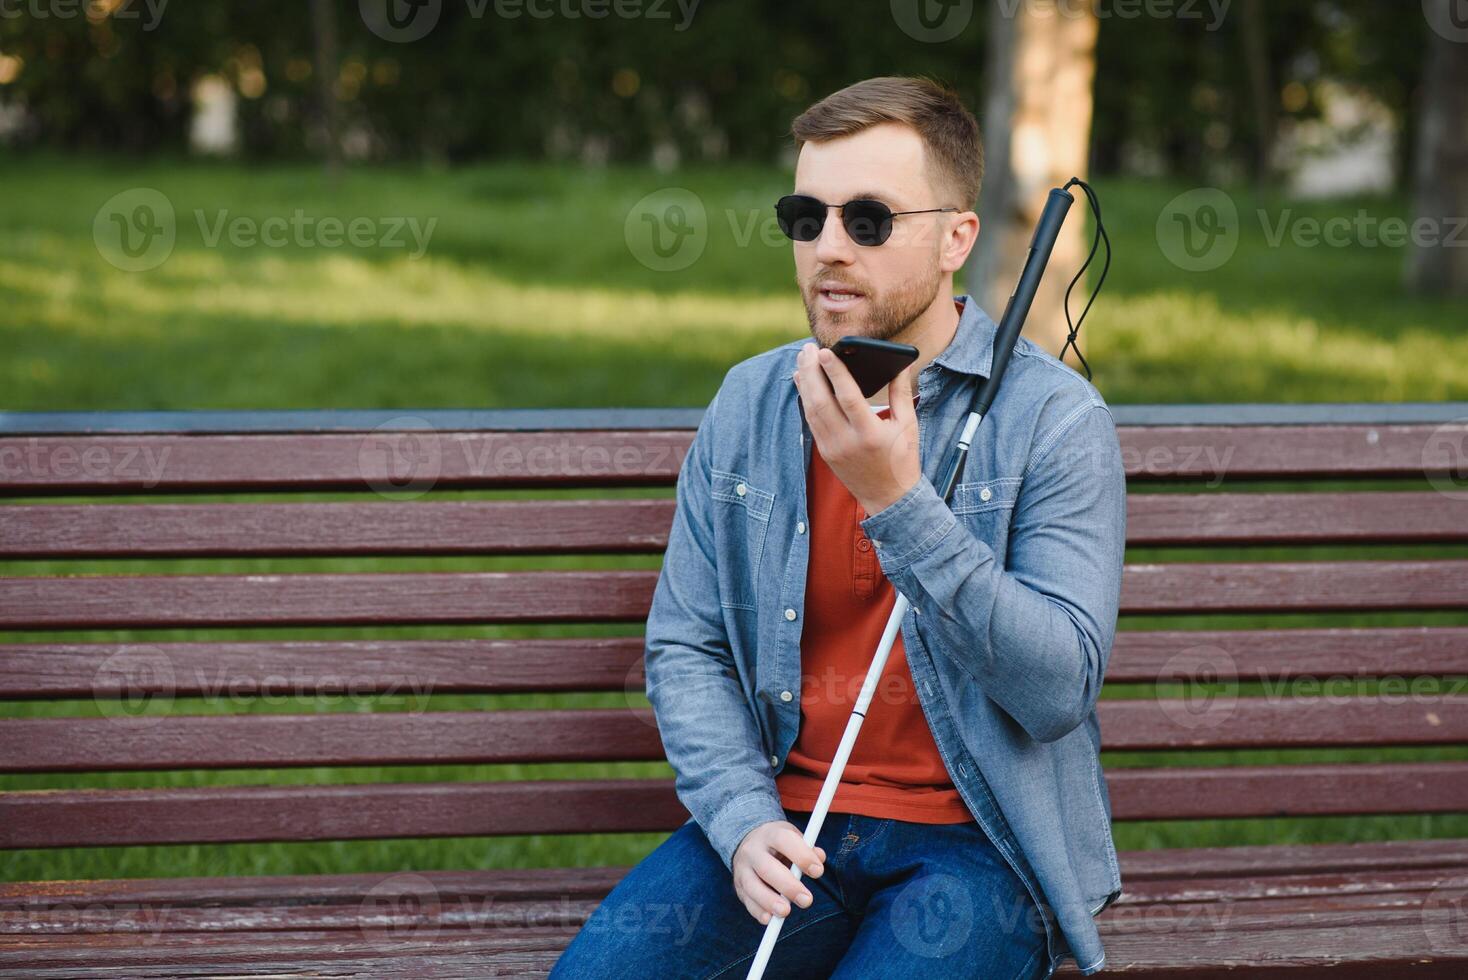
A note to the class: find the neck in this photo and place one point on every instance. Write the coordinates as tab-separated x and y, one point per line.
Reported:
930	333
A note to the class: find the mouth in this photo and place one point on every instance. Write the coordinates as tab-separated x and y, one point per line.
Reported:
838	299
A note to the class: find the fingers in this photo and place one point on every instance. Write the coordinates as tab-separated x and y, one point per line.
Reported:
821	410
760	900
764	882
777	876
848	392
900	395
790	842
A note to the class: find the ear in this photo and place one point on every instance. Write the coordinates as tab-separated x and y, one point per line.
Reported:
962	234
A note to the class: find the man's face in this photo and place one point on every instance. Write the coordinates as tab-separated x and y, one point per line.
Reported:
870	291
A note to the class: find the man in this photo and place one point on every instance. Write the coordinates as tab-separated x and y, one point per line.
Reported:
970	835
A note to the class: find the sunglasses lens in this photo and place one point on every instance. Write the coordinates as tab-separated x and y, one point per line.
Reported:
867	222
800	217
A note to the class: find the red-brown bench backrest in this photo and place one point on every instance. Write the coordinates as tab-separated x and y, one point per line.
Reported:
392	487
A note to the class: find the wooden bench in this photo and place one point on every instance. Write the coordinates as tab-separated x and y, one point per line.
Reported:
1387	479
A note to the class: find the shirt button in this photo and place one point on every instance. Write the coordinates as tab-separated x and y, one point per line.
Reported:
800	527
984	494
876	543
775	761
863	545
790	614
741	489
786	696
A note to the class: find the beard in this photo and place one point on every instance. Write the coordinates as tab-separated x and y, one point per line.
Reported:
886	315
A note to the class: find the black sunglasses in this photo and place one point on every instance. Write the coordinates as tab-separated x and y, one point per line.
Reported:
868	222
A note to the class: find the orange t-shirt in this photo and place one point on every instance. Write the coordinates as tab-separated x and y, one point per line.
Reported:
894	769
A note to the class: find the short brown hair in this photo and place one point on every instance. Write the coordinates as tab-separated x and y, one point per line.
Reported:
949	131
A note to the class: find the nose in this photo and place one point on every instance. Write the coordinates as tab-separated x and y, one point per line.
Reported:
834	246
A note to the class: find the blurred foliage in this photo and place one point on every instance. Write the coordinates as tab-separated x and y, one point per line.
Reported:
685	81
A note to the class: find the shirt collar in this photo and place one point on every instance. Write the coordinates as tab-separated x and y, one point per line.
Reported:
971	351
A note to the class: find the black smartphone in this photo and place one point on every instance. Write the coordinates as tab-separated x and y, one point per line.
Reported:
873	363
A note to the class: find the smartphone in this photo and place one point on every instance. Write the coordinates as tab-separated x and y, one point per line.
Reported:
873	363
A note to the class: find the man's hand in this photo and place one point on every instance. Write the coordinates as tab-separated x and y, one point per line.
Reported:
877	459
761	867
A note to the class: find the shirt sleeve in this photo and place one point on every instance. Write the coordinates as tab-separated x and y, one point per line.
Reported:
723	776
1036	633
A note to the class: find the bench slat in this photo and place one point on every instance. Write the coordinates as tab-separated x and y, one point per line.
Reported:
219	814
495	527
1227	871
390	738
312	668
127	462
1318	893
1295	518
389	461
465	527
1357	946
141	601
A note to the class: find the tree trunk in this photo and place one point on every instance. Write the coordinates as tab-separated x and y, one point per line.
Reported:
1435	267
1261	88
1037	129
323	29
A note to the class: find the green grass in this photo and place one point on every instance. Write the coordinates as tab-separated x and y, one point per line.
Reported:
528	295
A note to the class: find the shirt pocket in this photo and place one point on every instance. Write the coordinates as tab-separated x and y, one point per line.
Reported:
741	523
986	507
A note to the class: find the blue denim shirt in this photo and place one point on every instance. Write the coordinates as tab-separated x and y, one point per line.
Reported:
1014	591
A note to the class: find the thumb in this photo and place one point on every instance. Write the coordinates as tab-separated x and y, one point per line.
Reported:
900	395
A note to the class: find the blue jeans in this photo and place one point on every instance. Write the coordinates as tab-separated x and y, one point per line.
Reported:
896	900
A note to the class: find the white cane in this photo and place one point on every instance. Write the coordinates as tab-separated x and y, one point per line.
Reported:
1046	232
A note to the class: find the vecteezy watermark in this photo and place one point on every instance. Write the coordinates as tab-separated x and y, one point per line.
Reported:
407	456
933	915
1445	916
401	907
1210	686
1445	458
137	230
71	460
668	229
1214	11
140	683
303	230
405	21
932	21
136	683
148	12
1449	18
144	923
1199	230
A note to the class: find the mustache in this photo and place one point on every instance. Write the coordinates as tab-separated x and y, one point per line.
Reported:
829	282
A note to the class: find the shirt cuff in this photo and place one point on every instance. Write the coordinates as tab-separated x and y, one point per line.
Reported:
909	527
738	817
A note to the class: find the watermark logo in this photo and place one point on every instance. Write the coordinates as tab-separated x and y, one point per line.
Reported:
1445	916
1208	676
400	907
405	21
136	229
401	458
668	229
1199	229
932	21
400	21
148	12
135	684
1215	10
1448	18
1445	458
933	915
